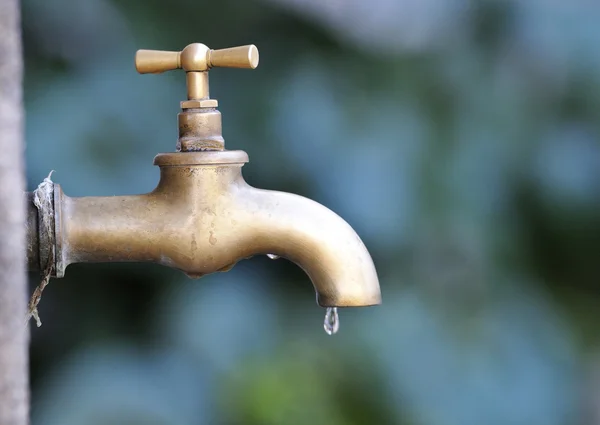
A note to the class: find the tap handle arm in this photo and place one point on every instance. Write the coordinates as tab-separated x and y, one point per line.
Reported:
234	57
156	61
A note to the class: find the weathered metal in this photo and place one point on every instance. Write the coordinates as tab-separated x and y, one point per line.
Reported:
203	217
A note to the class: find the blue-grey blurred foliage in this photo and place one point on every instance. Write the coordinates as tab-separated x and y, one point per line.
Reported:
461	140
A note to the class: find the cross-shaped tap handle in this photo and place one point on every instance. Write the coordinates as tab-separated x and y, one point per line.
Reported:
195	60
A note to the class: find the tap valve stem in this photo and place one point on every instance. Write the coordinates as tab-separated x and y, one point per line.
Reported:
197	132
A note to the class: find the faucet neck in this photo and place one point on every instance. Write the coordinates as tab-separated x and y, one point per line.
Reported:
190	176
200	130
199	120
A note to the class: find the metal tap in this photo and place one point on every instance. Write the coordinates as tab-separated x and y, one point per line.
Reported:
203	217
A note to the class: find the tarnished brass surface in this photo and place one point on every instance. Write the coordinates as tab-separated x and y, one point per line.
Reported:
203	217
200	130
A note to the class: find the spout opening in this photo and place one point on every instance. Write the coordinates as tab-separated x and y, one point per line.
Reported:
343	303
313	237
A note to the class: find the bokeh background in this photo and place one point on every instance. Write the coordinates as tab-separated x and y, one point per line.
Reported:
459	138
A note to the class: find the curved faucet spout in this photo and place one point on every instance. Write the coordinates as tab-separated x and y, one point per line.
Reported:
313	237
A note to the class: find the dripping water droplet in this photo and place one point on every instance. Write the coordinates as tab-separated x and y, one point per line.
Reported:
273	256
332	321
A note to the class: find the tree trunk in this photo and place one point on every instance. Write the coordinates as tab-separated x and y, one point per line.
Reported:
14	392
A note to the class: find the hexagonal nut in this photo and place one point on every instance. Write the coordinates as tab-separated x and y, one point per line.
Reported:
205	103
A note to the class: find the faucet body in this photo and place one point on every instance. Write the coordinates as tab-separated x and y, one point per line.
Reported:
203	218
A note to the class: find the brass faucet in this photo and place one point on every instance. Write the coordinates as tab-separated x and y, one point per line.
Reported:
203	217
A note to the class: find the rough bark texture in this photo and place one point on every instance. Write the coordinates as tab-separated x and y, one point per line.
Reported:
14	392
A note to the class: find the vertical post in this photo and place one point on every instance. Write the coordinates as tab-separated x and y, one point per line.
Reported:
14	377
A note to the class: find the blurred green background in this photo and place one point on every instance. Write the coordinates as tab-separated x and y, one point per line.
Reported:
459	138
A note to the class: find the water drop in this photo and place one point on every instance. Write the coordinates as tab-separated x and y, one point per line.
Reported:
332	321
273	256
